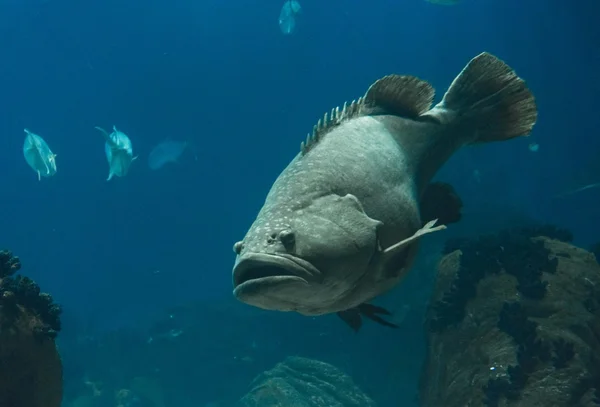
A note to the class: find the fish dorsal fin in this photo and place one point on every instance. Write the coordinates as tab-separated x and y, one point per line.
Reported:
400	95
330	121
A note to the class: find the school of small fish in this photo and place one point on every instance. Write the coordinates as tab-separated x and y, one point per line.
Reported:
117	148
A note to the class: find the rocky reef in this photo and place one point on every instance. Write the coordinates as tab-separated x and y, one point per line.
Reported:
596	250
31	373
514	321
302	382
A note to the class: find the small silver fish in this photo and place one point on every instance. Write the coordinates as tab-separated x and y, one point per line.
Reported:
166	152
38	155
341	223
119	152
287	16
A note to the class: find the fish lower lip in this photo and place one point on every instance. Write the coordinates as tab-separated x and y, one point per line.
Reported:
266	267
254	285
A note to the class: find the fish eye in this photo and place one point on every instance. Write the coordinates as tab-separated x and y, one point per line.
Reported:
237	247
287	238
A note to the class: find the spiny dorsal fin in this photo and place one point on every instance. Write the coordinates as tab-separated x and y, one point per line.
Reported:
328	122
405	96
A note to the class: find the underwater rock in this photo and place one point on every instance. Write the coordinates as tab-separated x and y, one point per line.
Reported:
31	369
302	382
514	321
596	250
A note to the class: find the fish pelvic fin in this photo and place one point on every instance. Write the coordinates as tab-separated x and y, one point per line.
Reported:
353	316
110	175
39	175
489	97
370	311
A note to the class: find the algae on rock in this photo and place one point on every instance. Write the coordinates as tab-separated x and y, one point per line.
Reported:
514	321
301	382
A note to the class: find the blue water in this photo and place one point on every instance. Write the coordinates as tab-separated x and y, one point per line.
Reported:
221	75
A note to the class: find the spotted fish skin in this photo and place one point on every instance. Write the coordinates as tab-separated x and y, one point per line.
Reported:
119	152
341	223
38	155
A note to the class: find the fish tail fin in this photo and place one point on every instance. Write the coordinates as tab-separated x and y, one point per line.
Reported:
489	97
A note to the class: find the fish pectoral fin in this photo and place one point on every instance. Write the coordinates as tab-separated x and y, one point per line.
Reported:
440	201
427	228
104	133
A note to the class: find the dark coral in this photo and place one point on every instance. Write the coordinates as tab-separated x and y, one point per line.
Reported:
9	264
563	353
531	350
31	373
508	387
588	384
19	292
512	251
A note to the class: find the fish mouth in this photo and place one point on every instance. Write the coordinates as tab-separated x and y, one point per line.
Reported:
261	268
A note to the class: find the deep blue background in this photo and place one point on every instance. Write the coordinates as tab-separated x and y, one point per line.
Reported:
221	75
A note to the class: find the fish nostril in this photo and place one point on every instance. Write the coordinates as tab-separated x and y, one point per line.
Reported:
272	238
238	247
288	239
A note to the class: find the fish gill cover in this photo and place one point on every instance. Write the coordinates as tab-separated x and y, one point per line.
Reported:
142	265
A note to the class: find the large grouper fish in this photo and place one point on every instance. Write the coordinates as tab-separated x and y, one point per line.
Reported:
341	223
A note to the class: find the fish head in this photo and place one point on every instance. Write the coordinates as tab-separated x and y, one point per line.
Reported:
119	159
305	258
121	141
